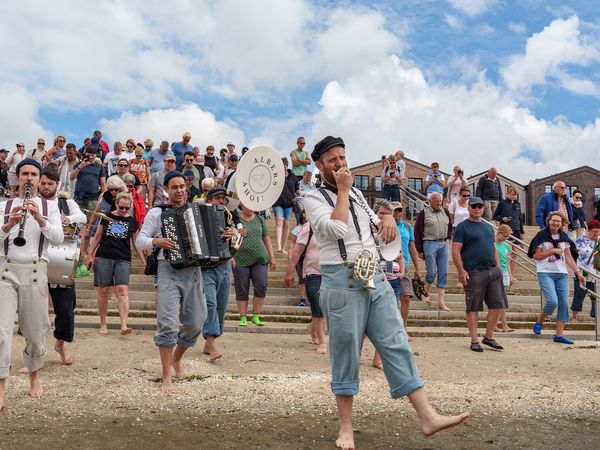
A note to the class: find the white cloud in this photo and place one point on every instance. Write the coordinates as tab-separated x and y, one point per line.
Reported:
517	27
392	106
146	54
170	124
453	21
19	118
483	29
472	8
547	53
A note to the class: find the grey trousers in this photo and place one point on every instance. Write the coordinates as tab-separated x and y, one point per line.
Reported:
23	292
180	305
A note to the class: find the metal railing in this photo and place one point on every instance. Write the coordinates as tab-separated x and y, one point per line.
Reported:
518	246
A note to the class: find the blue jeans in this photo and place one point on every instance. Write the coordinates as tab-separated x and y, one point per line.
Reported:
216	288
396	284
555	287
436	262
391	193
313	288
352	311
579	296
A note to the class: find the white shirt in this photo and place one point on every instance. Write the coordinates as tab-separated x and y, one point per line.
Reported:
152	228
75	213
328	231
66	184
52	231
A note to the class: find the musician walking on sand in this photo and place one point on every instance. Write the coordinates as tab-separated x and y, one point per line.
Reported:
63	296
181	304
23	282
342	220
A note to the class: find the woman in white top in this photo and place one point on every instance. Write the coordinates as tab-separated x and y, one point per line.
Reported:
459	208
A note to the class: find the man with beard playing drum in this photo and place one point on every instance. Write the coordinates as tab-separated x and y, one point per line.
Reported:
342	228
63	296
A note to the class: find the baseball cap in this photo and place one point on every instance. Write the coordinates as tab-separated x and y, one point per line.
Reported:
396	205
232	156
475	201
170	158
189	174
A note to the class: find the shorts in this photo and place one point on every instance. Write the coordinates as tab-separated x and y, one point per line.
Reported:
258	273
313	289
395	284
485	285
111	272
406	287
286	213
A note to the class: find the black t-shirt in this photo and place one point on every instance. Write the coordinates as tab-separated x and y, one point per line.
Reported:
477	239
286	199
115	242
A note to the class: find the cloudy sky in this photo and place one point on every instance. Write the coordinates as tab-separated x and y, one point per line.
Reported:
515	84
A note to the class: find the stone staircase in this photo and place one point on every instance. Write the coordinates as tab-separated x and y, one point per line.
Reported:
280	305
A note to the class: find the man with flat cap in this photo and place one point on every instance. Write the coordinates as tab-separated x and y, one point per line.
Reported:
23	268
217	282
342	223
180	300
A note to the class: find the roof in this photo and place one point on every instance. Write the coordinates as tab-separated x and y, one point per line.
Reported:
558	175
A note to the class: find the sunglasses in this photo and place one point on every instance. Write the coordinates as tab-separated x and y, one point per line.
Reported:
129	186
124	208
113	189
61	140
467	196
233	160
476	206
41	143
19	146
189	160
123	165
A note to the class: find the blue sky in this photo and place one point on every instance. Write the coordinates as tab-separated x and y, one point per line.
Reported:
470	82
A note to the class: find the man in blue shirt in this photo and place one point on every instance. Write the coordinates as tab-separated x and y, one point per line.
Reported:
157	157
478	266
179	148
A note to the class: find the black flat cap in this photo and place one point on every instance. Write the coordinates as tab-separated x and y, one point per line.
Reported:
29	162
215	191
325	144
170	175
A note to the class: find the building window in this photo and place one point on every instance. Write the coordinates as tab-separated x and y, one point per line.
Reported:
377	182
596	194
472	188
547	188
416	184
361	182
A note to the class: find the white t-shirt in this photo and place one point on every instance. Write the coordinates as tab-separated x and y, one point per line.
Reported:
552	264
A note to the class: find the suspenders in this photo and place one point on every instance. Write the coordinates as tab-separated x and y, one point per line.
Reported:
44	213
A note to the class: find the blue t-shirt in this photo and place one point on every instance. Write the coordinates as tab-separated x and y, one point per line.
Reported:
88	182
407	234
179	148
158	160
477	239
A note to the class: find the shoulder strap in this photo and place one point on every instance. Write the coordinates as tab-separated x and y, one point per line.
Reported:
45	214
341	245
6	213
310	233
63	206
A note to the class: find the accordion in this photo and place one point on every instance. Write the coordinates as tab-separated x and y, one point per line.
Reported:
196	230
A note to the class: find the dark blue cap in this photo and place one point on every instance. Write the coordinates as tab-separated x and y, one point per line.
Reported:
172	174
29	162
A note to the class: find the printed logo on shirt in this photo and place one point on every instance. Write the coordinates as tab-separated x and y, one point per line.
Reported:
118	230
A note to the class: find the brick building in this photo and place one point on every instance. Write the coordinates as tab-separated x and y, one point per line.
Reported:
584	178
367	178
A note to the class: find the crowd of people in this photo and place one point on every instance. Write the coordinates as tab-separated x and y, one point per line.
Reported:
121	195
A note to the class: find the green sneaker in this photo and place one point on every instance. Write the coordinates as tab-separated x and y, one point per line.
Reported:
243	321
256	320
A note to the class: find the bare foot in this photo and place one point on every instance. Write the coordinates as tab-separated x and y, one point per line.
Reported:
439	423
167	388
497	330
23	371
322	349
178	369
574	318
126	331
507	330
215	357
65	356
313	334
410	338
426	298
345	440
2	384
35	386
378	364
103	330
443	307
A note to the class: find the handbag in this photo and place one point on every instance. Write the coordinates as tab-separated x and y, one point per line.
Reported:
152	263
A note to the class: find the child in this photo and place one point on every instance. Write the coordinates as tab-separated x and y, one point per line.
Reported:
503	249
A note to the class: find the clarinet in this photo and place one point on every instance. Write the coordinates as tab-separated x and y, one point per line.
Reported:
20	241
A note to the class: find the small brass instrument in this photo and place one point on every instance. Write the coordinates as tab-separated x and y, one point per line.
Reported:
365	267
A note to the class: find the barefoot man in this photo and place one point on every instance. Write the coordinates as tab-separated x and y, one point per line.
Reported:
24	282
341	220
180	302
63	297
